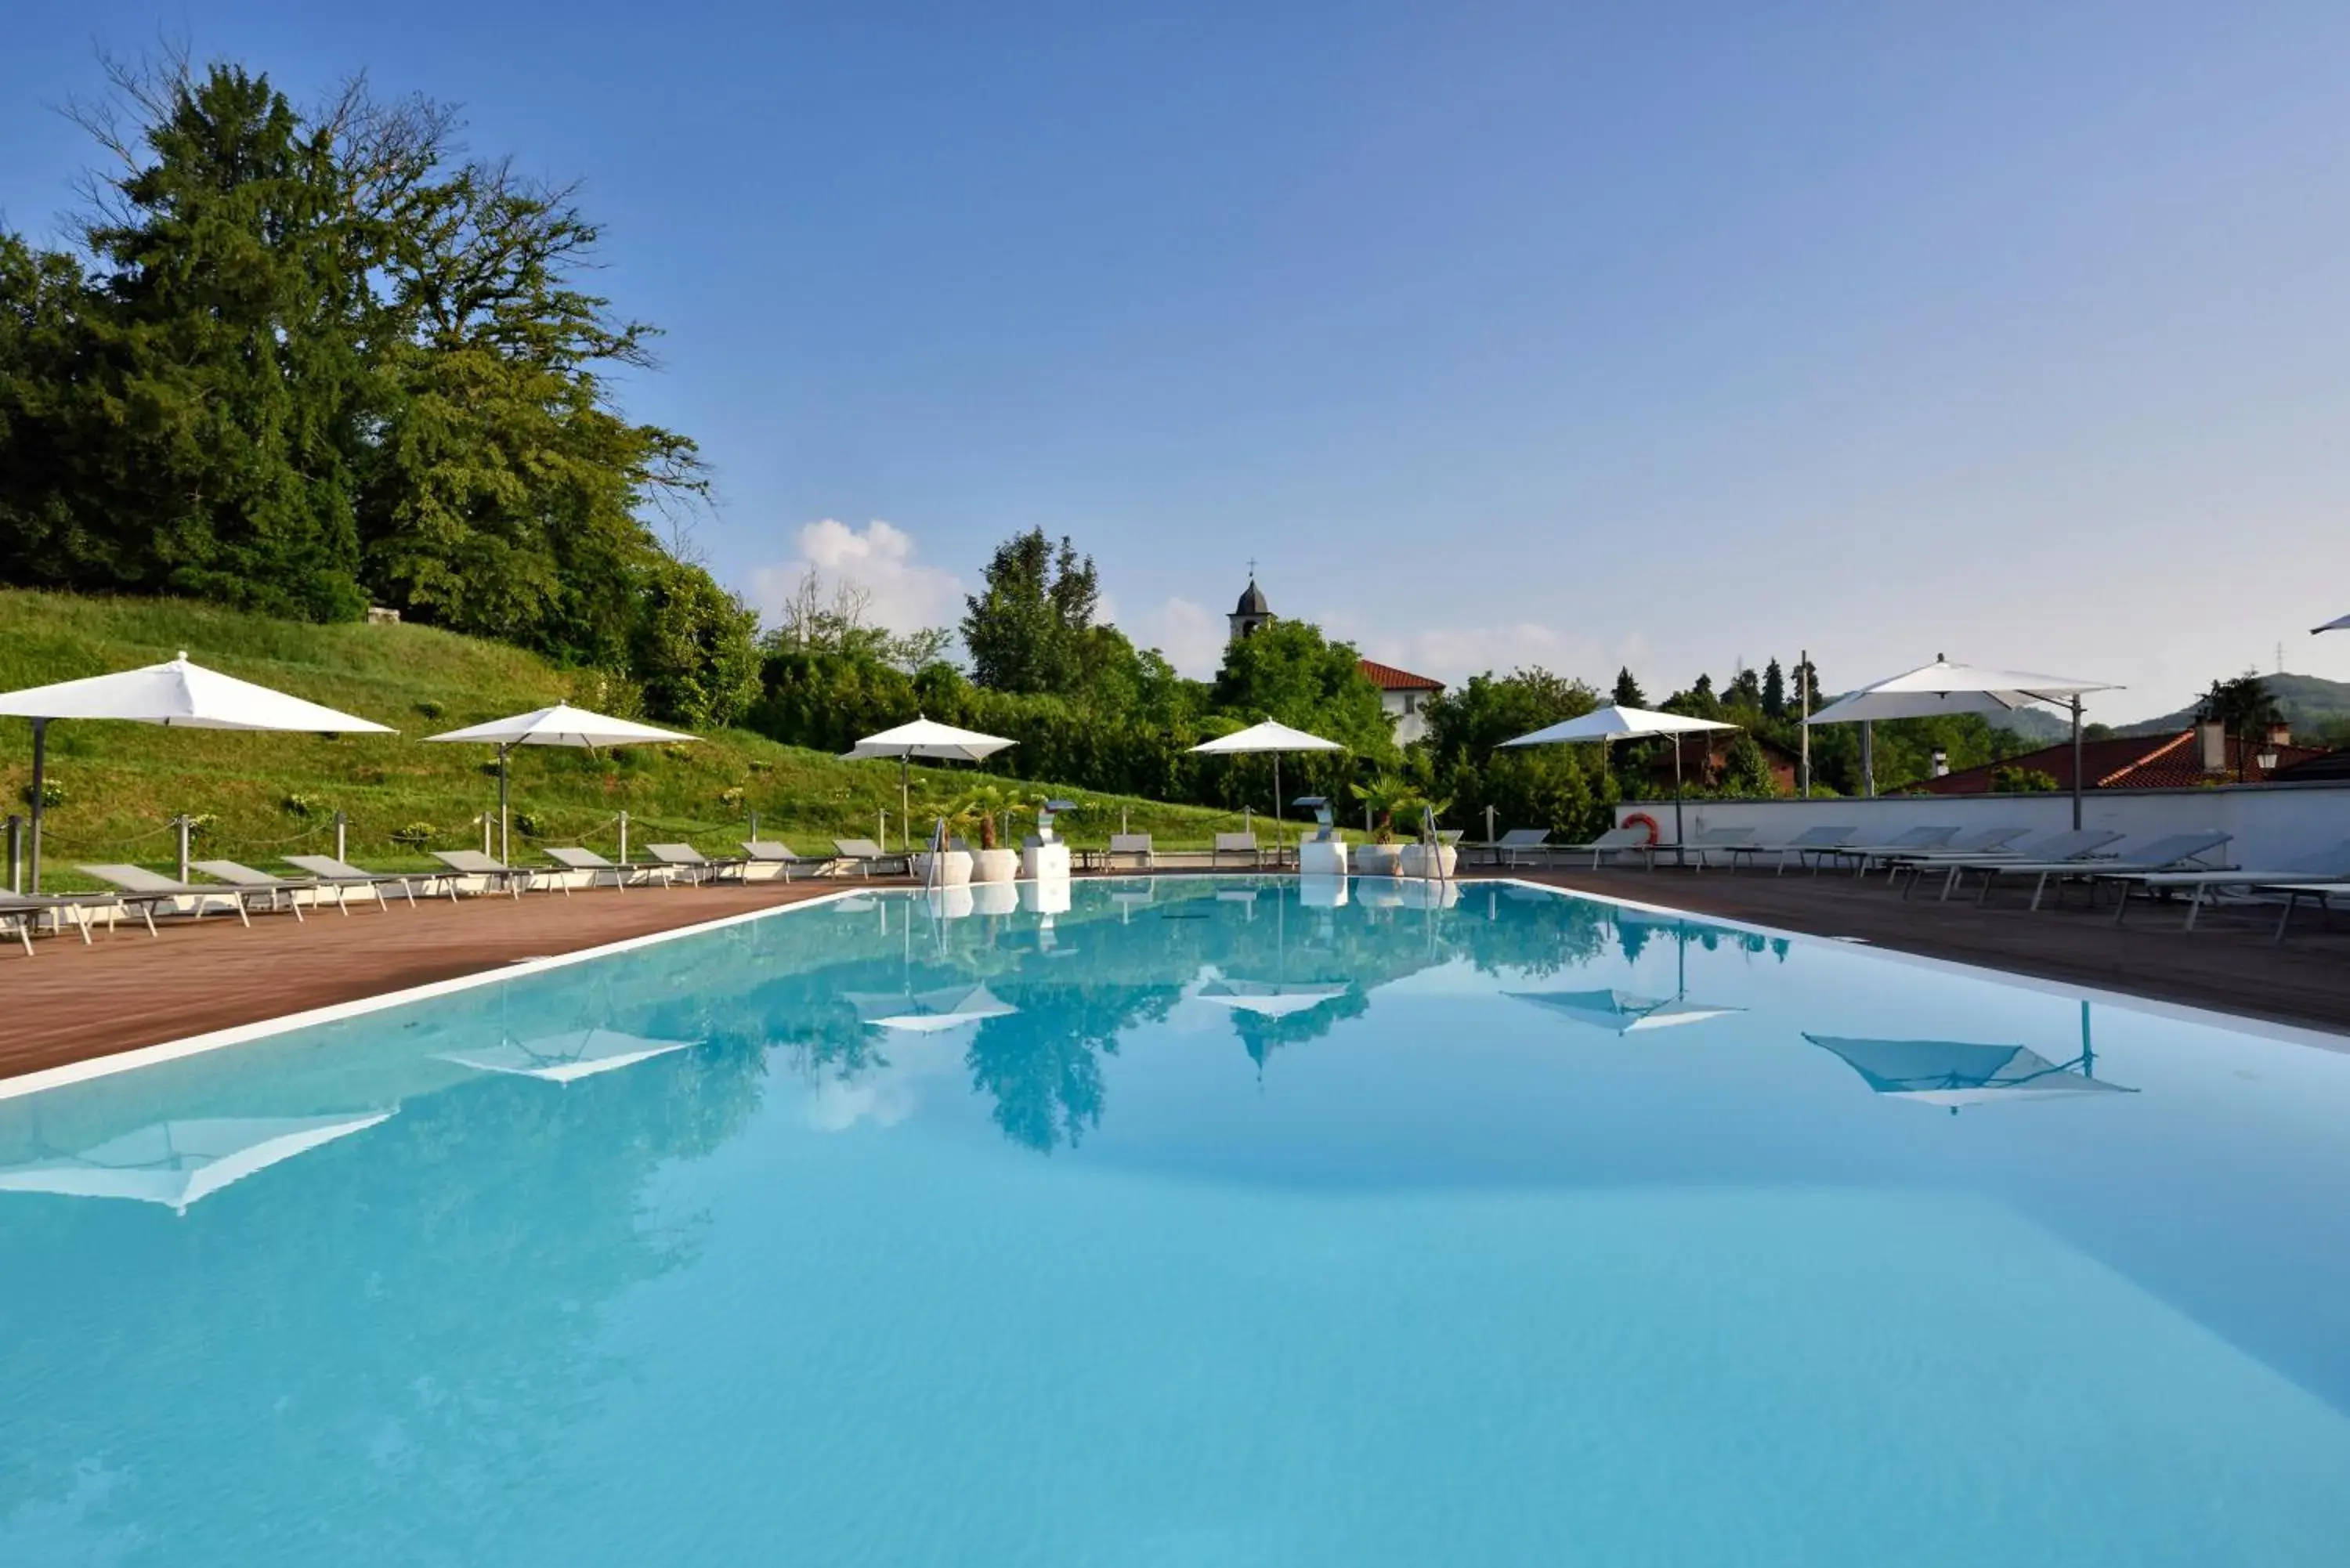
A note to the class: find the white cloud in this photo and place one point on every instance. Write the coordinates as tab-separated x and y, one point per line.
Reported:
1453	653
1190	634
882	559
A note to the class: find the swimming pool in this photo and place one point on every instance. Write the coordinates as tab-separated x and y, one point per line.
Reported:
1197	1222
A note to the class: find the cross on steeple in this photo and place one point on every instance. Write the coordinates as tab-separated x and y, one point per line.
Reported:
1252	568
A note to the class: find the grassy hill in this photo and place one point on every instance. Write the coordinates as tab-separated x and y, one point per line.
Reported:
263	796
2315	706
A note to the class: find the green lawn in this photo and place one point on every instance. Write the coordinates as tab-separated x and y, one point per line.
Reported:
263	796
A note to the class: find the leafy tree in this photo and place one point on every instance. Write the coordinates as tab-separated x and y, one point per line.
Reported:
1774	692
1746	771
2022	781
1627	692
1027	628
813	620
1744	691
1290	671
2244	708
693	648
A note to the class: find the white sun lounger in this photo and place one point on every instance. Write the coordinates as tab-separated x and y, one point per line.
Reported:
19	912
2057	849
1713	840
2322	893
2325	866
1517	845
345	878
1615	841
246	879
468	863
145	890
1811	841
774	852
2178	852
698	867
1920	840
1137	845
587	862
866	855
1235	844
1983	843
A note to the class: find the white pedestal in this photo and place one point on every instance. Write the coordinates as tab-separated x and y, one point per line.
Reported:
1321	857
995	866
1045	862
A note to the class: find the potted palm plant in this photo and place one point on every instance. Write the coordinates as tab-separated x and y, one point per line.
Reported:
952	869
979	815
1386	795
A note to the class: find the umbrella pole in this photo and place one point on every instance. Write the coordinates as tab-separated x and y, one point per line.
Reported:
2076	765
40	760
1276	811
1681	856
905	809
506	850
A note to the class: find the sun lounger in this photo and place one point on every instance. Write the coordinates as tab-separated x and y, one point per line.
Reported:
1712	841
2327	865
1235	844
246	879
469	863
1811	841
1137	845
587	862
2178	852
2056	848
346	879
144	890
1615	841
697	867
774	852
1519	844
1982	844
866	855
1908	842
20	912
2320	893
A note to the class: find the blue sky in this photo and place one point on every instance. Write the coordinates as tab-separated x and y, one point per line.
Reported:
1555	334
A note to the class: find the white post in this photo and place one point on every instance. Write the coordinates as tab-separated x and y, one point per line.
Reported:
1868	758
342	836
485	832
180	822
1489	825
624	838
505	848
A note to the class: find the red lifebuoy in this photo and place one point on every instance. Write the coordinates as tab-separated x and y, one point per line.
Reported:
1642	819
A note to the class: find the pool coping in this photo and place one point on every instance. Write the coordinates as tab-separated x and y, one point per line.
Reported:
47	1078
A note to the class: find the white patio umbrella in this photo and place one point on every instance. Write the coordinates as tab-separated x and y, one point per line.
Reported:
561	725
1268	998
1957	1073
1942	687
1273	738
177	694
566	1058
178	1163
1622	1012
923	738
1621	723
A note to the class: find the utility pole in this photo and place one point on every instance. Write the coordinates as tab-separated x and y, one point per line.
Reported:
1804	679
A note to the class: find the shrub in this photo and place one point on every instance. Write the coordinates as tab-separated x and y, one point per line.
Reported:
301	806
2022	781
527	824
53	794
429	709
416	835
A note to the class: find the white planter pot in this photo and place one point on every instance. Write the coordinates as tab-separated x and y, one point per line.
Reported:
1417	861
1320	858
1426	893
953	869
1377	859
995	866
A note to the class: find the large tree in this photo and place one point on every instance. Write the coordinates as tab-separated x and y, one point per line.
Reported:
1031	627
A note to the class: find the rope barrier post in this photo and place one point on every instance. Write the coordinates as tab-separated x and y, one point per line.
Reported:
624	838
754	827
484	820
16	854
342	836
182	823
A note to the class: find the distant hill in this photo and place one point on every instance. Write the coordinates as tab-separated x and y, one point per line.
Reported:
2311	703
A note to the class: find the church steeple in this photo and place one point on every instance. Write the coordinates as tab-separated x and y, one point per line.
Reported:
1253	611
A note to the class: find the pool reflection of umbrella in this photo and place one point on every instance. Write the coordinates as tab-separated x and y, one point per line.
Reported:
930	1012
1268	998
564	1058
1957	1073
177	1163
1622	1010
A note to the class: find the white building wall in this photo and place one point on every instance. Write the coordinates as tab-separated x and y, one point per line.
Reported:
2272	824
1410	724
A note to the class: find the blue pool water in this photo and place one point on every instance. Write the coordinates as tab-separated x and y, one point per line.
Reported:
1191	1224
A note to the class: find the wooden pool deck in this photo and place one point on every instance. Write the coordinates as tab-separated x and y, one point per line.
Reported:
71	1004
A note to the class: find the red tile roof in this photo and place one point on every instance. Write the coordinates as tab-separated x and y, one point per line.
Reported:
1387	677
2124	761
